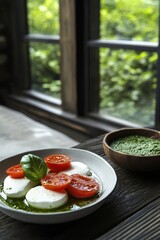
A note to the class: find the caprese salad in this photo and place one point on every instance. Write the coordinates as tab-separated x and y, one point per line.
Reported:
49	183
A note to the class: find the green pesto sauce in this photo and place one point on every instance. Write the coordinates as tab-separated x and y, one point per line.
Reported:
137	145
72	204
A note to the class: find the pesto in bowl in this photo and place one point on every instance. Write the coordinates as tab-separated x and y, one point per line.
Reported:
137	145
135	149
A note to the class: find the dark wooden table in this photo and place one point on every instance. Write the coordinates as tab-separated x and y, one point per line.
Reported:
132	211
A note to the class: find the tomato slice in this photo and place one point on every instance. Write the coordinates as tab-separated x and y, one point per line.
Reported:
15	171
56	181
58	162
82	186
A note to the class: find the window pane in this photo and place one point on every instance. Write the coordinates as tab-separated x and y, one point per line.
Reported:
43	17
127	85
45	68
129	20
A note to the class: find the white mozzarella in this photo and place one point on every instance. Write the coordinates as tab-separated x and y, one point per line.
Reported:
17	187
77	168
42	198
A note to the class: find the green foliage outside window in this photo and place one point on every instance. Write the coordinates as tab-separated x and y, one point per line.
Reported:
128	78
43	18
129	19
45	59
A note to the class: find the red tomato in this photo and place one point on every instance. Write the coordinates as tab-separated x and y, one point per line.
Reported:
58	162
56	181
82	186
15	171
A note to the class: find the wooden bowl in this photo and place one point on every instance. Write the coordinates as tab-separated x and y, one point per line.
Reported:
127	161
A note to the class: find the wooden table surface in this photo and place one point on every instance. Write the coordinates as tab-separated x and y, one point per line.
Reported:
132	211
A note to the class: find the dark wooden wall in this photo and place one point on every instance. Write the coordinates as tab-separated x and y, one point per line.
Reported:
5	70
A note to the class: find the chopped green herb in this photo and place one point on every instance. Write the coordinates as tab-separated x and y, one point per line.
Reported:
137	145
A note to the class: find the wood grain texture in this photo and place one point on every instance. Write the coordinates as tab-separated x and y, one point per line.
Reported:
133	192
68	54
142	225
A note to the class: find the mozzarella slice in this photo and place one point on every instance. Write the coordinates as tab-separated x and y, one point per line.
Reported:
42	198
77	168
17	187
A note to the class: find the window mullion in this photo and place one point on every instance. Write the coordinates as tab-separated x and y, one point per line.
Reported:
121	44
93	56
87	20
68	55
42	38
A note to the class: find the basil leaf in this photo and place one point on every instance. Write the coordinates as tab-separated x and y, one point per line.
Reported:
34	167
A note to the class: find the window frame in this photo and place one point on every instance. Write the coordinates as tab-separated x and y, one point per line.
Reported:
79	114
93	7
67	43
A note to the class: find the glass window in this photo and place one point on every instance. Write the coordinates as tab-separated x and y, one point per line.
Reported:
44	52
129	20
127	85
128	78
104	80
45	68
43	17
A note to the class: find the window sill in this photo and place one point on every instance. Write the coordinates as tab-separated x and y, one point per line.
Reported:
50	113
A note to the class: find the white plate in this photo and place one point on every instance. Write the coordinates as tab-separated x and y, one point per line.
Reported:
96	163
